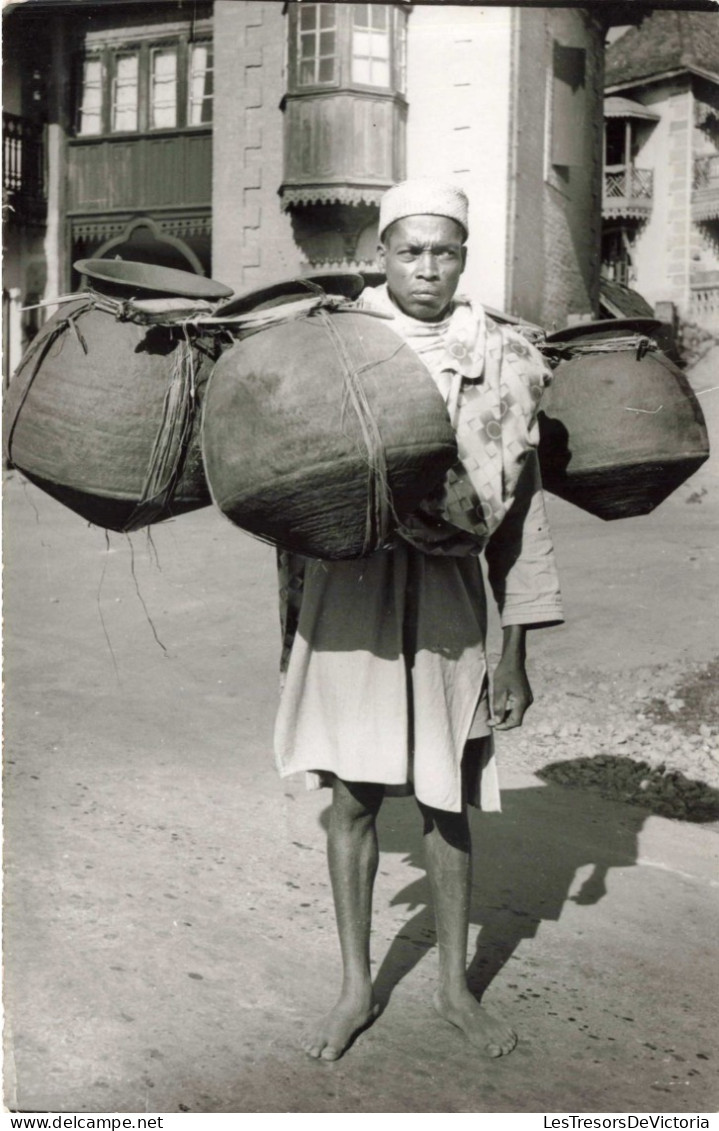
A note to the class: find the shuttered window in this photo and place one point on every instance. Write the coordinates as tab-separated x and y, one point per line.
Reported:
568	105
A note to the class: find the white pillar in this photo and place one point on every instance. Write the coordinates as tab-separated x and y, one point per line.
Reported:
14	339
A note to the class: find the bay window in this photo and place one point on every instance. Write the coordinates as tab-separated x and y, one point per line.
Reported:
341	45
345	107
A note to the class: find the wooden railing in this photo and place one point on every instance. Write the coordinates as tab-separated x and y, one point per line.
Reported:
626	182
24	186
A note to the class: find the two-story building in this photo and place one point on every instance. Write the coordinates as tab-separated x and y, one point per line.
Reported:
107	133
252	139
661	176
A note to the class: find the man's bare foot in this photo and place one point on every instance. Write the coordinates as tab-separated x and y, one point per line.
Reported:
487	1033
336	1031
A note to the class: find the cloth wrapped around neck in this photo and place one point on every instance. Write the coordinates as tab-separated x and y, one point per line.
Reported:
492	381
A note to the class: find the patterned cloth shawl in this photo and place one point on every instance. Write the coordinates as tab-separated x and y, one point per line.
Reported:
492	381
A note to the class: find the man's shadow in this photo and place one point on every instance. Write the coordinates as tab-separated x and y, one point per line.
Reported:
526	861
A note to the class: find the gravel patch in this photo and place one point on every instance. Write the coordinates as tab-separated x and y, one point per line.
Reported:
649	737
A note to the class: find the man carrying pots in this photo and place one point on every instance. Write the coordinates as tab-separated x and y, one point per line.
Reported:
386	685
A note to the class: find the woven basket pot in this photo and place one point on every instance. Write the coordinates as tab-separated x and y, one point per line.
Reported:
319	433
102	415
620	425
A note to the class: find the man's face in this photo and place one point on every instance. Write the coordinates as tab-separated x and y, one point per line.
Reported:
423	258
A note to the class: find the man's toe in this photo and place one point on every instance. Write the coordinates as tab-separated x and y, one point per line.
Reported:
329	1052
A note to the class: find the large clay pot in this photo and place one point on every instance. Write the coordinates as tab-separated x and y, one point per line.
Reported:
103	410
320	431
620	425
102	414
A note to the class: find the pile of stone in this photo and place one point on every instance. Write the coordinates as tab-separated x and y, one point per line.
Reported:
659	749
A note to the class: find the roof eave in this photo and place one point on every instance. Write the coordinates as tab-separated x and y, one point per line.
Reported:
648	80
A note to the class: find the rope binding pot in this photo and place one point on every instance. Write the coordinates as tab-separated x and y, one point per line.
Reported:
321	428
620	426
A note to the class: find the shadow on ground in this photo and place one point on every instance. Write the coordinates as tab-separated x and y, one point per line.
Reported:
528	861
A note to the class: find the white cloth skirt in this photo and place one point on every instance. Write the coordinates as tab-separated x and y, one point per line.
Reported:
387	679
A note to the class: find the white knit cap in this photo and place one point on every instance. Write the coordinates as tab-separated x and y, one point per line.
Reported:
423	196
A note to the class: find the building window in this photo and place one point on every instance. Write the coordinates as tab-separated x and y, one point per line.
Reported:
125	99
90	120
317	43
201	87
145	86
347	45
163	88
370	44
400	50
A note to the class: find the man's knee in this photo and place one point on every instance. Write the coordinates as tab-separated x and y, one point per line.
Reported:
451	827
355	802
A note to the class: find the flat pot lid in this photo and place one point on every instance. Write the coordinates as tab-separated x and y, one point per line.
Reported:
149	277
346	283
606	327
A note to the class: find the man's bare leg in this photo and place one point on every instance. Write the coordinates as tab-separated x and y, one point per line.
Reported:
353	855
448	849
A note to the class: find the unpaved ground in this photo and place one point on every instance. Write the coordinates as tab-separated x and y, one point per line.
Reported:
168	924
627	693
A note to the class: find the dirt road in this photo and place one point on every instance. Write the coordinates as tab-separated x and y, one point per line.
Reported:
168	917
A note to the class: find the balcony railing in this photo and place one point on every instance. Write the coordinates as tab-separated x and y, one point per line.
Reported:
705	188
24	187
628	191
